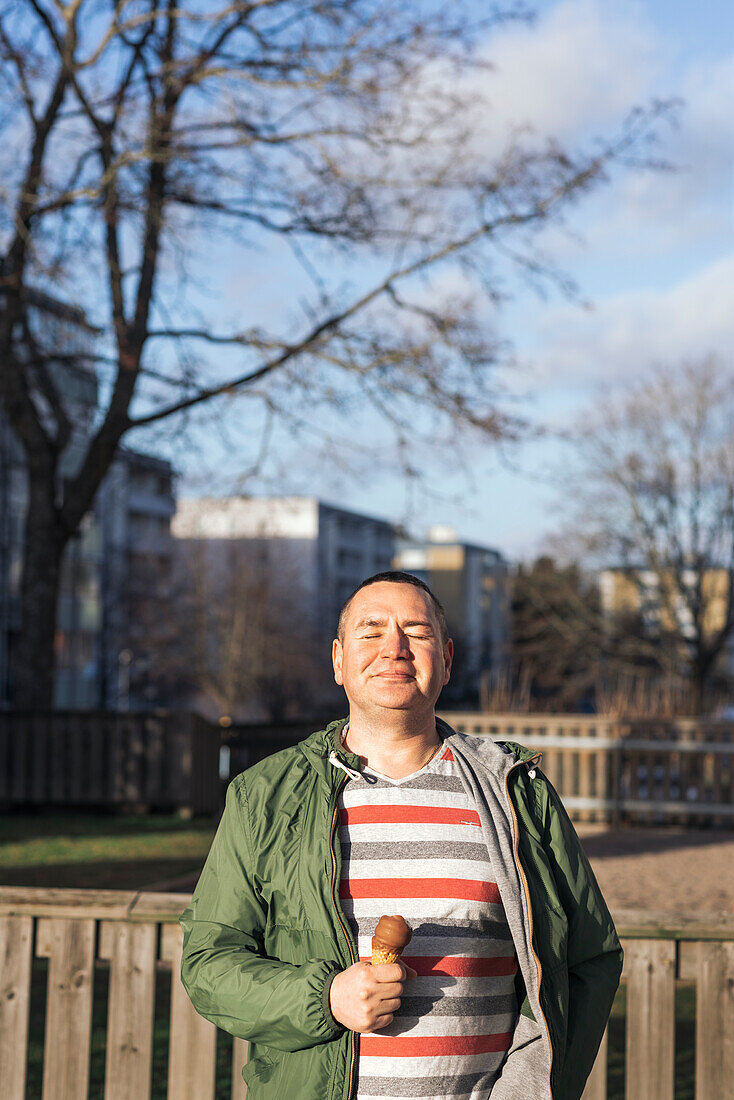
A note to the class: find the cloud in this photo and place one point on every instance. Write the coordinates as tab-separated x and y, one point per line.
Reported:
576	73
708	126
581	66
626	332
690	207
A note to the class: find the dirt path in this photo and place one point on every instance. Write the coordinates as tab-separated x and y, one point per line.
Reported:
658	869
663	869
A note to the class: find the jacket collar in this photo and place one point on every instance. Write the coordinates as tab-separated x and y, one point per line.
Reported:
496	757
318	747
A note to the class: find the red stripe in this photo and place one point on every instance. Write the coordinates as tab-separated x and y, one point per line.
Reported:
393	815
458	966
463	889
426	1046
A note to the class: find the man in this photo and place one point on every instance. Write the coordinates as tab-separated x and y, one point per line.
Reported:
508	981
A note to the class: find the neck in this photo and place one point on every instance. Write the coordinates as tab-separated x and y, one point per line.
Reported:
395	748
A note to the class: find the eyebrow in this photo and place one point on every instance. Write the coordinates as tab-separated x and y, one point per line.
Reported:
371	621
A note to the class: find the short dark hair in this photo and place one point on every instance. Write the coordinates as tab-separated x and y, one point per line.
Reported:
395	576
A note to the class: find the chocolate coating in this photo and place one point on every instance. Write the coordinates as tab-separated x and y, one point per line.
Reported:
393	932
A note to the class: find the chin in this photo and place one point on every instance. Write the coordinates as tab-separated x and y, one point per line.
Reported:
398	699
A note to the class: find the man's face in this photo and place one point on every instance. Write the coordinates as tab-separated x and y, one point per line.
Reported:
392	655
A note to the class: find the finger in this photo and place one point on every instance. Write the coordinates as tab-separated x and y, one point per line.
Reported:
383	1021
410	972
390	1005
388	972
386	990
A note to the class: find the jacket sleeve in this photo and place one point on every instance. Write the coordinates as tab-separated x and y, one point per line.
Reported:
224	968
594	951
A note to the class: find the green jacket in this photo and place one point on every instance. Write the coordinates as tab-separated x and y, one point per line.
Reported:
265	935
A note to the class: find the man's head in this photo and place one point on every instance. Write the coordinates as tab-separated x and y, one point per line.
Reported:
392	649
394	576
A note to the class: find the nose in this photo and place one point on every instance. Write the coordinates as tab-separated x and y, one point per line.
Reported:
395	644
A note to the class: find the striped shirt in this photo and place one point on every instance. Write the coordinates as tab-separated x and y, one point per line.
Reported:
414	846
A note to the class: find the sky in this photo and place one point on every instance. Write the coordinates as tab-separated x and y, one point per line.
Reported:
651	252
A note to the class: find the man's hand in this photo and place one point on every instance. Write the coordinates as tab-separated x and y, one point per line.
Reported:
366	997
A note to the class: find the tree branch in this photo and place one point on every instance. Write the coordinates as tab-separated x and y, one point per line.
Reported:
540	211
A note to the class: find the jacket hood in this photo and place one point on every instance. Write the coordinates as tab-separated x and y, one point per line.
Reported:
496	757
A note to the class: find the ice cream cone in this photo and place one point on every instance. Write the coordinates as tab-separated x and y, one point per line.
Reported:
392	934
384	955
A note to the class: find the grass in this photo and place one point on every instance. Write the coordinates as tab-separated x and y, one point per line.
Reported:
101	851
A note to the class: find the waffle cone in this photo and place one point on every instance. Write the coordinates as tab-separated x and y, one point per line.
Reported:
384	955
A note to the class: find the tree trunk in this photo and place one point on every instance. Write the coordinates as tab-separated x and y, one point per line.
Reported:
32	659
697	690
702	668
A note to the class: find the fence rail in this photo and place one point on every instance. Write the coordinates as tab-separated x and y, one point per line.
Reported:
136	935
667	771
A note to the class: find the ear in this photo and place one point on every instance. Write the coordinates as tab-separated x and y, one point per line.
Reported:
448	656
337	654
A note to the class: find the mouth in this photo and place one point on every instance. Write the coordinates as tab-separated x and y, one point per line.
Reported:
398	676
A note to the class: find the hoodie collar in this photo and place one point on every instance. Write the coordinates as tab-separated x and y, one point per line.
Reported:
496	757
491	754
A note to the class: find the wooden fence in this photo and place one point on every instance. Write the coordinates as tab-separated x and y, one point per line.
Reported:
163	761
606	769
136	936
666	771
247	742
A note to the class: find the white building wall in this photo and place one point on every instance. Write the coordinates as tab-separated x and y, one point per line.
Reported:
323	553
246	517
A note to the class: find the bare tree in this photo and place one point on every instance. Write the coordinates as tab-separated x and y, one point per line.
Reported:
654	487
566	652
234	639
555	647
132	129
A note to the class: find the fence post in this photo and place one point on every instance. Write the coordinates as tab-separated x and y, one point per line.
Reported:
16	935
240	1050
69	945
596	1086
131	951
193	1040
711	966
649	966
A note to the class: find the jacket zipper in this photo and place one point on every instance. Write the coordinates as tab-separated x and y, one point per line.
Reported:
352	1056
524	881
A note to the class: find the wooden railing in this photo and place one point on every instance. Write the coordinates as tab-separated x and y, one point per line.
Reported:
135	937
667	771
677	771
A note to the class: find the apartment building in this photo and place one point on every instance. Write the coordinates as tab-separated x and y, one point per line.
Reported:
308	556
134	508
103	562
472	583
656	599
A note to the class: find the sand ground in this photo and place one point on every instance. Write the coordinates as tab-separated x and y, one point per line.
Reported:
672	869
662	870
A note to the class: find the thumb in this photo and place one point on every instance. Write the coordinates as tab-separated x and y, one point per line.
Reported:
410	972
